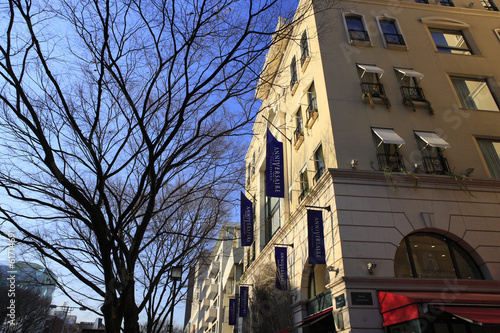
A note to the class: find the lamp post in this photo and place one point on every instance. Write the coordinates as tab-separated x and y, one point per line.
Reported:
175	275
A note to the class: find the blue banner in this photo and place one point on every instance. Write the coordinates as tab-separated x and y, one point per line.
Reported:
232	312
316	237
275	182
246	210
243	301
281	268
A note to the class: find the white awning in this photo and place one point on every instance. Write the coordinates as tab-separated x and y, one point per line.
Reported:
410	72
433	140
388	136
371	69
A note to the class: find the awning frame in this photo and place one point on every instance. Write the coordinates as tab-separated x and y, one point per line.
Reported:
409	72
421	134
370	69
381	137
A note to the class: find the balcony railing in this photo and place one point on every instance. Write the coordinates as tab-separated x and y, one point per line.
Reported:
437	165
413	94
395	39
374	89
360	35
303	194
390	162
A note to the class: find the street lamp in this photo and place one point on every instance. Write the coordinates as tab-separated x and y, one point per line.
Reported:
175	275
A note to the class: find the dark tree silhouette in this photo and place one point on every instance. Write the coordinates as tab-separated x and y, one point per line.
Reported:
120	123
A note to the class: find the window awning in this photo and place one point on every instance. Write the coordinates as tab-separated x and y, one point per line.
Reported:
433	140
371	69
397	307
388	136
312	319
410	72
474	315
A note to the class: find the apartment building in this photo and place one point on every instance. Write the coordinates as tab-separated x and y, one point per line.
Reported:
214	284
388	112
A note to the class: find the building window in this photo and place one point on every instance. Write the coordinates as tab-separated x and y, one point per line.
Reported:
432	256
304	185
356	30
304	49
293	75
450	41
371	86
474	94
447	3
421	1
432	147
409	84
298	134
390	31
489	5
319	163
490	149
388	143
312	106
272	217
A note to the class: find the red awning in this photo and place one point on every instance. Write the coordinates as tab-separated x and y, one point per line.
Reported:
397	307
481	315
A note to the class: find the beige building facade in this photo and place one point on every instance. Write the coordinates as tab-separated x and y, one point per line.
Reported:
389	113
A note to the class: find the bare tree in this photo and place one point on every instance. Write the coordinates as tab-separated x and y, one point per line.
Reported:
270	309
119	133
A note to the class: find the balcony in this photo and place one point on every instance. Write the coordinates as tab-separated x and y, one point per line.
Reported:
298	135
211	314
374	89
390	162
211	291
312	113
394	39
415	94
359	35
205	303
436	165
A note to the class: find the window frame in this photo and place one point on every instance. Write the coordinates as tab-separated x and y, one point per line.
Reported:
463	103
493	167
453	249
397	28
294	75
365	31
305	51
451	48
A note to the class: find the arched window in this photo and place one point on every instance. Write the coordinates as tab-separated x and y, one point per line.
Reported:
433	256
356	28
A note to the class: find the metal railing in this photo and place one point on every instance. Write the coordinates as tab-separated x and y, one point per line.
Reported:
396	39
374	89
391	162
438	165
361	35
413	93
489	5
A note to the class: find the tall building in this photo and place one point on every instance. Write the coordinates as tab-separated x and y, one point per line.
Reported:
213	284
388	112
30	276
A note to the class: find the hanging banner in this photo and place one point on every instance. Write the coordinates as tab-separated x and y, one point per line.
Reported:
316	237
243	301
246	221
275	186
281	268
232	312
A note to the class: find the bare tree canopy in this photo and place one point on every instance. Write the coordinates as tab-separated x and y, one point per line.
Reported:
118	129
